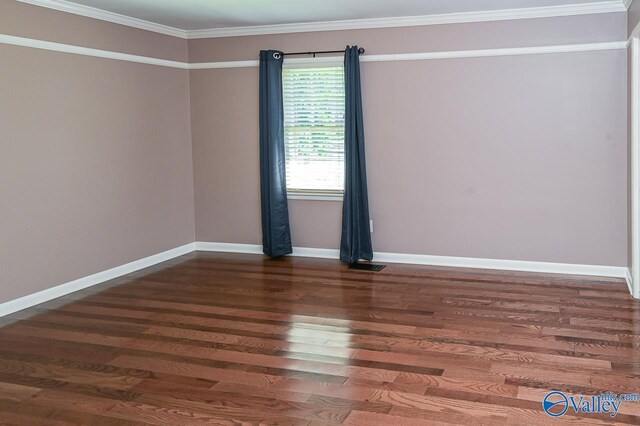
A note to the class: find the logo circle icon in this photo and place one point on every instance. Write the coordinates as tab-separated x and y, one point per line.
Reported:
555	404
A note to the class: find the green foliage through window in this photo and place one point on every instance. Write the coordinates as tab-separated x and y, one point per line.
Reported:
314	128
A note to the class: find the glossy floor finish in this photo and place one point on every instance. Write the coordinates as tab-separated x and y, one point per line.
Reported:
232	338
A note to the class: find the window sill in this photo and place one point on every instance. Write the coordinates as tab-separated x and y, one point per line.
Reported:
311	196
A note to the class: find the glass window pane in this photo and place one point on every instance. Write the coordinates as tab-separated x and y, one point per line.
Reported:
314	128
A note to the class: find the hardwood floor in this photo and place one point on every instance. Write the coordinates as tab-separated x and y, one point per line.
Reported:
231	338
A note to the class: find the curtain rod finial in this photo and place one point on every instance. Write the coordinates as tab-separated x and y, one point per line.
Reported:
361	50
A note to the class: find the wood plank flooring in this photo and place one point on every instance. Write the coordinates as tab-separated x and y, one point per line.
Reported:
240	339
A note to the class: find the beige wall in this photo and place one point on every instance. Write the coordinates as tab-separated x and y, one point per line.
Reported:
520	157
95	165
482	35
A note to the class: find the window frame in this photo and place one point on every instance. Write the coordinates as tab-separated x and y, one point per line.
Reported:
311	194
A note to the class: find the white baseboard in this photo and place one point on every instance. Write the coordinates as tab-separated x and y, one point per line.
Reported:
316	252
229	247
629	280
634	290
419	259
91	280
257	249
506	265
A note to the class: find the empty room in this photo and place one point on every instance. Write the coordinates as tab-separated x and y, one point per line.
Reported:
298	212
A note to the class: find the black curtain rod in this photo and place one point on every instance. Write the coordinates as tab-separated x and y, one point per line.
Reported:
321	52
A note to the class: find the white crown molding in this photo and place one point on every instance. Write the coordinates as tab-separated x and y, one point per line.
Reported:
103	15
86	51
410	21
450	261
91	280
402	21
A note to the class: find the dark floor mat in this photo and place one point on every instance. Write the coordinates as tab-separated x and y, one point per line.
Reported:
367	267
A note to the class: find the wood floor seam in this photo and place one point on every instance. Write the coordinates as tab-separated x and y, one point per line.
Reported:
219	338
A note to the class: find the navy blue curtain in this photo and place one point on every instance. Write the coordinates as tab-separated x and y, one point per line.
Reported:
356	236
276	236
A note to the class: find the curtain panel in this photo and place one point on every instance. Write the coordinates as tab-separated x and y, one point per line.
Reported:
276	235
356	235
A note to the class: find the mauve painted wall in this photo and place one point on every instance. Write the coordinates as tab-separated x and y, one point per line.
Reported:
515	157
482	35
96	166
25	20
520	157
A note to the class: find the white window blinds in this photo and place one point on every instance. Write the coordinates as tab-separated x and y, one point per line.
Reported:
314	128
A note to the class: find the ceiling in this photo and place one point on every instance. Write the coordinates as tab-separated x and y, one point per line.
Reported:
207	14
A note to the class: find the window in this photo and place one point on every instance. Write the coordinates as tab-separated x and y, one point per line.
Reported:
314	129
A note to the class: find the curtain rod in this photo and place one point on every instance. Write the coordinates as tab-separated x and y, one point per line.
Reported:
320	52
